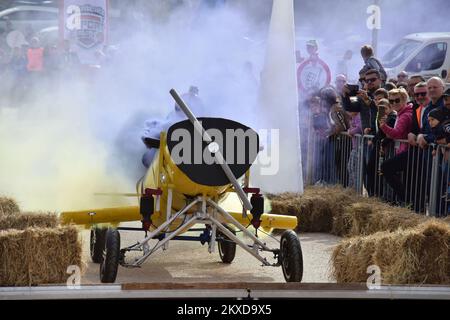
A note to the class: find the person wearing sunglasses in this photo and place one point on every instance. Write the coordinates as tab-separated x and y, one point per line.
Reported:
391	168
420	113
398	100
412	82
365	101
421	94
420	158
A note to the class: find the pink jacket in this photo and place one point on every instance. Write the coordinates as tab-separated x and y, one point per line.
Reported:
402	127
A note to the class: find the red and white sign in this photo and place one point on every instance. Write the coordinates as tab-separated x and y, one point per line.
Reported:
85	24
313	74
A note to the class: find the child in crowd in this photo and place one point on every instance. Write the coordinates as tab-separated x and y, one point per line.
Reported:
436	117
380	140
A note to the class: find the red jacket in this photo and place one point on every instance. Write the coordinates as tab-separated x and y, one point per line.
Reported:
402	127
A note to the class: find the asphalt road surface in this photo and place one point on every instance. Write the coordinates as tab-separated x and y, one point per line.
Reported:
186	261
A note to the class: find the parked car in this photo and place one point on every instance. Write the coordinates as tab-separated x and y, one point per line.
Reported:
24	17
426	54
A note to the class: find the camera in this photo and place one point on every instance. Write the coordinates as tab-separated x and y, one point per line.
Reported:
354	88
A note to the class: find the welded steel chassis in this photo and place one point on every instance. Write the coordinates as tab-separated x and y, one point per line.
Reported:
209	218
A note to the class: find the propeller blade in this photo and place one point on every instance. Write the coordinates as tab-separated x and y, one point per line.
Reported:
218	155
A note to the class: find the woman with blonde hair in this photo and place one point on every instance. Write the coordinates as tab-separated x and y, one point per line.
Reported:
398	100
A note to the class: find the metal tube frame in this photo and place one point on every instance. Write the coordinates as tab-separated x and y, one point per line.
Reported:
236	223
152	234
207	218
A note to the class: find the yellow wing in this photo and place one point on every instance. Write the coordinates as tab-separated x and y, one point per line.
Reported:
117	215
99	216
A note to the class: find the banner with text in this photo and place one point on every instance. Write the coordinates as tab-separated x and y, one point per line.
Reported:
84	23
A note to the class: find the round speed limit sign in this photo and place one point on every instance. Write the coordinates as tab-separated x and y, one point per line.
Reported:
313	74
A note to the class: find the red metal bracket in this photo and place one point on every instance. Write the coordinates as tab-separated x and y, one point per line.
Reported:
251	190
152	192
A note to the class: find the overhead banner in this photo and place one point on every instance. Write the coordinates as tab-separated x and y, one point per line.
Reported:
84	23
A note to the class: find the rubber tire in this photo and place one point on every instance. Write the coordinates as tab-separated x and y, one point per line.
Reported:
110	263
227	249
291	257
97	244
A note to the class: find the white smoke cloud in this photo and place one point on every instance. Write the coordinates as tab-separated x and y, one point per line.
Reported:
71	141
81	135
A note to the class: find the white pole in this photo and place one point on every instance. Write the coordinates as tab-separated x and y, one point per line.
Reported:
278	100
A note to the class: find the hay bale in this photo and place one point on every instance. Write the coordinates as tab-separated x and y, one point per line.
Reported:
342	212
285	203
342	223
8	206
412	256
38	255
316	208
22	221
350	260
372	216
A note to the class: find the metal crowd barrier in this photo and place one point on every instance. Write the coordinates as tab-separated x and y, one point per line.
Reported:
423	184
440	190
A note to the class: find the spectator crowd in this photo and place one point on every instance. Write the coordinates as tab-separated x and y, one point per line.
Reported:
380	133
383	133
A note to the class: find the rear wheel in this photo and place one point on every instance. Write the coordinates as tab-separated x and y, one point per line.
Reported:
291	257
227	247
97	241
110	263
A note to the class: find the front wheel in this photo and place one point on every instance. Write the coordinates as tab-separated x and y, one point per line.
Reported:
227	247
110	263
97	244
291	257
